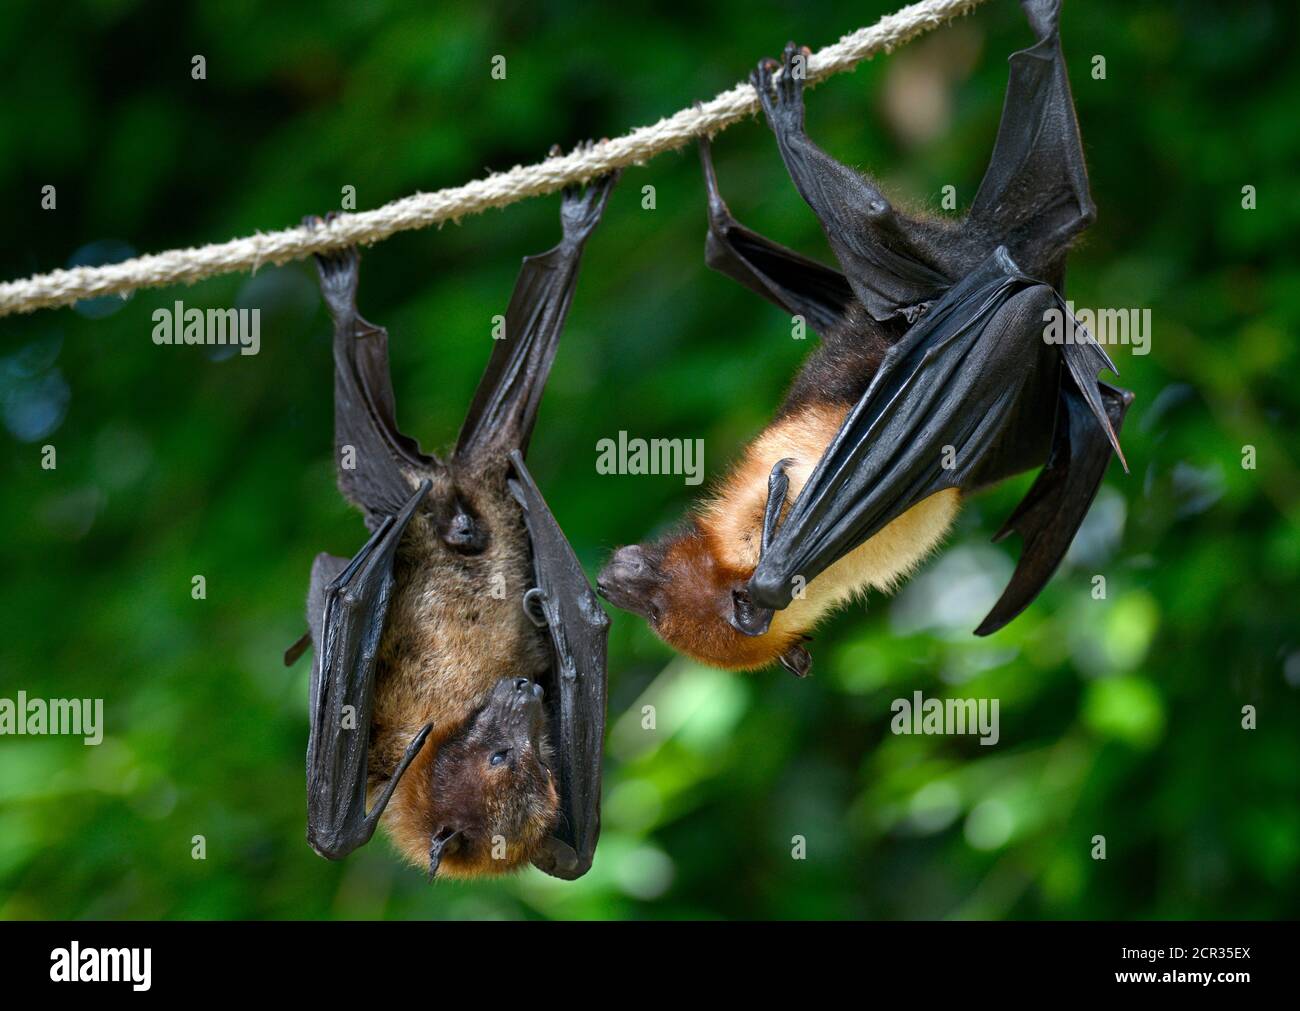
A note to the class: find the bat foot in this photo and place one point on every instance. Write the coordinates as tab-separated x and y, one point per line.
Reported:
782	97
1043	16
338	270
581	206
720	219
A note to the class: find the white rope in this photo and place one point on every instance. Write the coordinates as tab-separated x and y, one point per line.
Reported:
63	287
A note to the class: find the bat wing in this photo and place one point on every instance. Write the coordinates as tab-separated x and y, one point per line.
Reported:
943	400
504	409
347	607
1035	196
501	420
794	283
373	457
1049	515
575	698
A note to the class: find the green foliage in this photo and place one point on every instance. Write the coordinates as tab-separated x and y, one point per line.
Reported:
1120	717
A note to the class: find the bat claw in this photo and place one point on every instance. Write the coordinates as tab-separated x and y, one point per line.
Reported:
720	218
794	67
787	57
298	648
532	603
777	487
797	660
782	99
311	222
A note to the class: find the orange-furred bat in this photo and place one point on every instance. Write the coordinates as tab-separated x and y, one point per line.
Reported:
933	379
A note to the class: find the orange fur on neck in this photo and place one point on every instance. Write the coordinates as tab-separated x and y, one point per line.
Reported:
721	551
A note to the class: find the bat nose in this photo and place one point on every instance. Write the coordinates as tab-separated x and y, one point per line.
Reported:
630	580
463	533
627	568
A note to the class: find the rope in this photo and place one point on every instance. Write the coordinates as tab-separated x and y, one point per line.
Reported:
63	287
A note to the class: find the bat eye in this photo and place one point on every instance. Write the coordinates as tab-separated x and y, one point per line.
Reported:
499	756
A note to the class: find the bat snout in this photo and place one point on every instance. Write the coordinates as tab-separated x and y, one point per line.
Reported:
463	532
516	703
629	581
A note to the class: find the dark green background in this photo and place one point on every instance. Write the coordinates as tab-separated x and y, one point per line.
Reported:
1119	717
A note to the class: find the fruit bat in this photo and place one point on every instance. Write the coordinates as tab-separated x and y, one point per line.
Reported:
458	674
933	379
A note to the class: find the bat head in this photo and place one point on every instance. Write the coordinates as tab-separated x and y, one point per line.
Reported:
487	799
697	604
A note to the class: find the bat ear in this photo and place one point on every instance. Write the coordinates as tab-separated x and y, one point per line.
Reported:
797	660
445	840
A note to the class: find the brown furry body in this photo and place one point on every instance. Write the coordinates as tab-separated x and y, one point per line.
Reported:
455	628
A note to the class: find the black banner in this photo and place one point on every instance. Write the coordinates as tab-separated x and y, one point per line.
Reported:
495	960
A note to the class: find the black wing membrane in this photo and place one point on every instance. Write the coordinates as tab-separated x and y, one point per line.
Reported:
501	420
372	455
800	286
1050	514
940	403
575	698
347	604
504	408
1035	196
347	609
